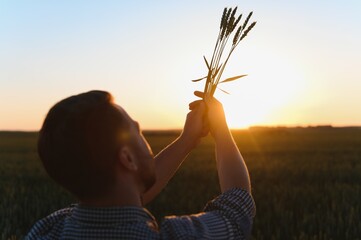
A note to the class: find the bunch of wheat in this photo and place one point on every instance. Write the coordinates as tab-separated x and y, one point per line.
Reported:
215	69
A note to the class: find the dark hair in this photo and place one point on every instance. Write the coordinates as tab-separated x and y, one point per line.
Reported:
79	140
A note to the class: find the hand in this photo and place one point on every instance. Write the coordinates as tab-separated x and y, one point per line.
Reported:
215	114
195	126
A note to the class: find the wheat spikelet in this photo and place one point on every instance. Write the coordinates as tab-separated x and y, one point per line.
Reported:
234	12
223	19
230	25
228	15
236	36
247	19
225	24
236	22
247	31
231	22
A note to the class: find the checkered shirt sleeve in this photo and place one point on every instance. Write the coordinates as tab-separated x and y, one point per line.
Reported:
229	216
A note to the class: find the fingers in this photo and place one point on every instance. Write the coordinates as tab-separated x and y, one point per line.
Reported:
206	99
199	94
198	106
195	104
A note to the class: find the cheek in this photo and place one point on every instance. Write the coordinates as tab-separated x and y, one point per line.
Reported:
146	146
144	153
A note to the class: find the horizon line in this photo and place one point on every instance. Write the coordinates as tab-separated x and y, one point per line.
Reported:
231	128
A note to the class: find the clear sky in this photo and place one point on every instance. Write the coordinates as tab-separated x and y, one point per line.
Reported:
303	59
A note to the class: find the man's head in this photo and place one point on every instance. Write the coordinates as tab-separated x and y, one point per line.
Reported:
86	141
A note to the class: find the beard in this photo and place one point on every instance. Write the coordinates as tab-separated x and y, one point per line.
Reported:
148	179
146	166
147	174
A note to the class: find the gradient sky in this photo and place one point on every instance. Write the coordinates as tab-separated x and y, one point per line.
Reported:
303	59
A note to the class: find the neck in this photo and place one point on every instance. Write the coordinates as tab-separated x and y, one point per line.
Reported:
120	197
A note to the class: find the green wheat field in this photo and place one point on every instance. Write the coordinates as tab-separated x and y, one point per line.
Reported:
306	182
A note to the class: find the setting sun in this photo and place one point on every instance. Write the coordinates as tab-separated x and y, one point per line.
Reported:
264	96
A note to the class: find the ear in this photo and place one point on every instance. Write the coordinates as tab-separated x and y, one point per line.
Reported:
127	159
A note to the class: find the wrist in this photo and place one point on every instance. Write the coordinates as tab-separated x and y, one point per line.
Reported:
221	134
187	141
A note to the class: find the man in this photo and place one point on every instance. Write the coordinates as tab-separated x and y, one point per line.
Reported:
92	147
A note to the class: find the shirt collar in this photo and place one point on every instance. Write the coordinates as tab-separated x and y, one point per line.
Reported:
110	215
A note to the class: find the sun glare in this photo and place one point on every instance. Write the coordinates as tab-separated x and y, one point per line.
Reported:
263	97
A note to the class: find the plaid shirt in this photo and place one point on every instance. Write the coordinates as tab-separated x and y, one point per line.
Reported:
229	216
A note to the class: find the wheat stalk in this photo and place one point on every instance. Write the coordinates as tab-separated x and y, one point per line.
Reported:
216	67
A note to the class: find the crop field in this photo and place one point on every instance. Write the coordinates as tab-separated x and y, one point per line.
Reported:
306	182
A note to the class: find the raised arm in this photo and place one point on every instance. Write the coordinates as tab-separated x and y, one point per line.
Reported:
230	215
169	159
232	170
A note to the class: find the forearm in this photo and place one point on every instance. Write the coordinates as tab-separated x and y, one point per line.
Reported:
166	164
232	170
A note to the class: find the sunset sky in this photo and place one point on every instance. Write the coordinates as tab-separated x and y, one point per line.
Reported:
303	59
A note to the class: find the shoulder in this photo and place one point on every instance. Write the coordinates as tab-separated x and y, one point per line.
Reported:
229	216
50	224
